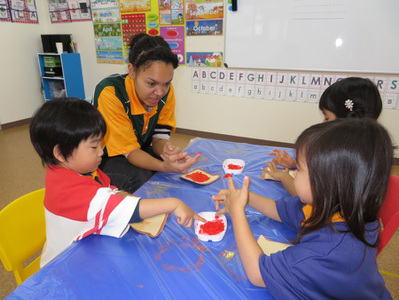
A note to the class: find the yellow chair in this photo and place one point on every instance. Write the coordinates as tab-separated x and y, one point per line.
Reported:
22	234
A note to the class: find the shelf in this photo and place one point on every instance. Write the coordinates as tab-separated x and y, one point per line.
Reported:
70	83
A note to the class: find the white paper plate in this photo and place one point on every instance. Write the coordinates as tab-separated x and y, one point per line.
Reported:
238	166
210	216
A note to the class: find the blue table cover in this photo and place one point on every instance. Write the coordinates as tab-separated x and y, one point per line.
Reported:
175	265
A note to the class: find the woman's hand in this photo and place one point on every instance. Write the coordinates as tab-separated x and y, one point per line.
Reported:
170	149
283	159
178	163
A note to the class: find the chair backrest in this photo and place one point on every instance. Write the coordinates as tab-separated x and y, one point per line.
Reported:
389	213
22	234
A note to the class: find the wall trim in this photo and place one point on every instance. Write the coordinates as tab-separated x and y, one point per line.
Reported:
238	139
15	124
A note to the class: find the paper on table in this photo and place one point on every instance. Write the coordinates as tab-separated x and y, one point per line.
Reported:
270	247
152	226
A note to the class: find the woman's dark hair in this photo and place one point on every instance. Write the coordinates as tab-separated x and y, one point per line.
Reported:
363	92
145	49
64	122
349	163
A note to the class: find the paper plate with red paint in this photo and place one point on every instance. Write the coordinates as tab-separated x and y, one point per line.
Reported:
199	176
213	230
233	166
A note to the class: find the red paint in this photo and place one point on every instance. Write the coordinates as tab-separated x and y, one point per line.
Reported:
212	227
234	167
198	177
227	175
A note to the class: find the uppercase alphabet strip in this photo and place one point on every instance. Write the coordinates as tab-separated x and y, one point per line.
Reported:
282	85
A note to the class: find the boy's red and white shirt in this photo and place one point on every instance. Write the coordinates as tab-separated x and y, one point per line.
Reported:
77	205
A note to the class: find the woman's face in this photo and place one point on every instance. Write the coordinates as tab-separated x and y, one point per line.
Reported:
152	83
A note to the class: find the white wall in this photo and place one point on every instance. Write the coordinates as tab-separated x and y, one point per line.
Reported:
280	121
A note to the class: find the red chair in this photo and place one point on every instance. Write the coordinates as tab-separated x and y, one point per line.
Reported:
389	213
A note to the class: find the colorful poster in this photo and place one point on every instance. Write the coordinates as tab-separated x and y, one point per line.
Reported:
171	12
4	11
106	15
135	5
107	29
79	10
204	59
99	4
20	11
109	57
108	43
132	24
204	10
204	27
174	36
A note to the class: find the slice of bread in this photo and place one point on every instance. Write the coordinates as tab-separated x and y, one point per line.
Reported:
270	247
200	176
152	226
268	177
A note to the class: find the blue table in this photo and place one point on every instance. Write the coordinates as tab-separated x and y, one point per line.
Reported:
175	265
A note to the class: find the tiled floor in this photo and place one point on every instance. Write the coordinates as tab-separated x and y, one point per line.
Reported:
22	172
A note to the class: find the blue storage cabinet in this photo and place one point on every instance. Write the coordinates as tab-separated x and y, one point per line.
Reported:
68	82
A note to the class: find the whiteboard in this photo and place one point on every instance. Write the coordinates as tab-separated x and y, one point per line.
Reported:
314	35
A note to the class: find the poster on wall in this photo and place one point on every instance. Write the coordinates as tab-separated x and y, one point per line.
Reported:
79	10
65	11
204	10
59	12
204	27
204	59
174	36
4	11
171	12
22	11
107	31
135	5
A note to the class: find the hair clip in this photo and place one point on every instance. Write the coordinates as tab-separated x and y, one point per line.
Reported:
349	104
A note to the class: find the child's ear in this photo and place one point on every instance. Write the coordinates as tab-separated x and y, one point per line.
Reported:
57	154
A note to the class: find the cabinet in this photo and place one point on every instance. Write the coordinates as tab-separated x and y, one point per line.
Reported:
61	75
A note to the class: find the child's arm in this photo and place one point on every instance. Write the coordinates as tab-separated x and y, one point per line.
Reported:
283	159
280	175
262	204
247	246
153	207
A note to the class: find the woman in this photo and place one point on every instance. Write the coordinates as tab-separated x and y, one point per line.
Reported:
138	109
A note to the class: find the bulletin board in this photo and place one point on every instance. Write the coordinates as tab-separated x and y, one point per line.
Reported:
314	35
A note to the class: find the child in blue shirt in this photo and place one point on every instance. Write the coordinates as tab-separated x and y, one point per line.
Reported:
352	97
343	172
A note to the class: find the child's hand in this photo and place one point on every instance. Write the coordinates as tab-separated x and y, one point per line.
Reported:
232	199
283	159
185	215
273	171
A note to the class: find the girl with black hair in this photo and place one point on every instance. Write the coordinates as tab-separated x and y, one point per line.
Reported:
343	172
352	97
139	110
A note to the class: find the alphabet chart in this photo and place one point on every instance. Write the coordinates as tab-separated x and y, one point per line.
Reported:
282	85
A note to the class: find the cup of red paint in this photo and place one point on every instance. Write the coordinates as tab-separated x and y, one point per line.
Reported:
213	230
233	166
